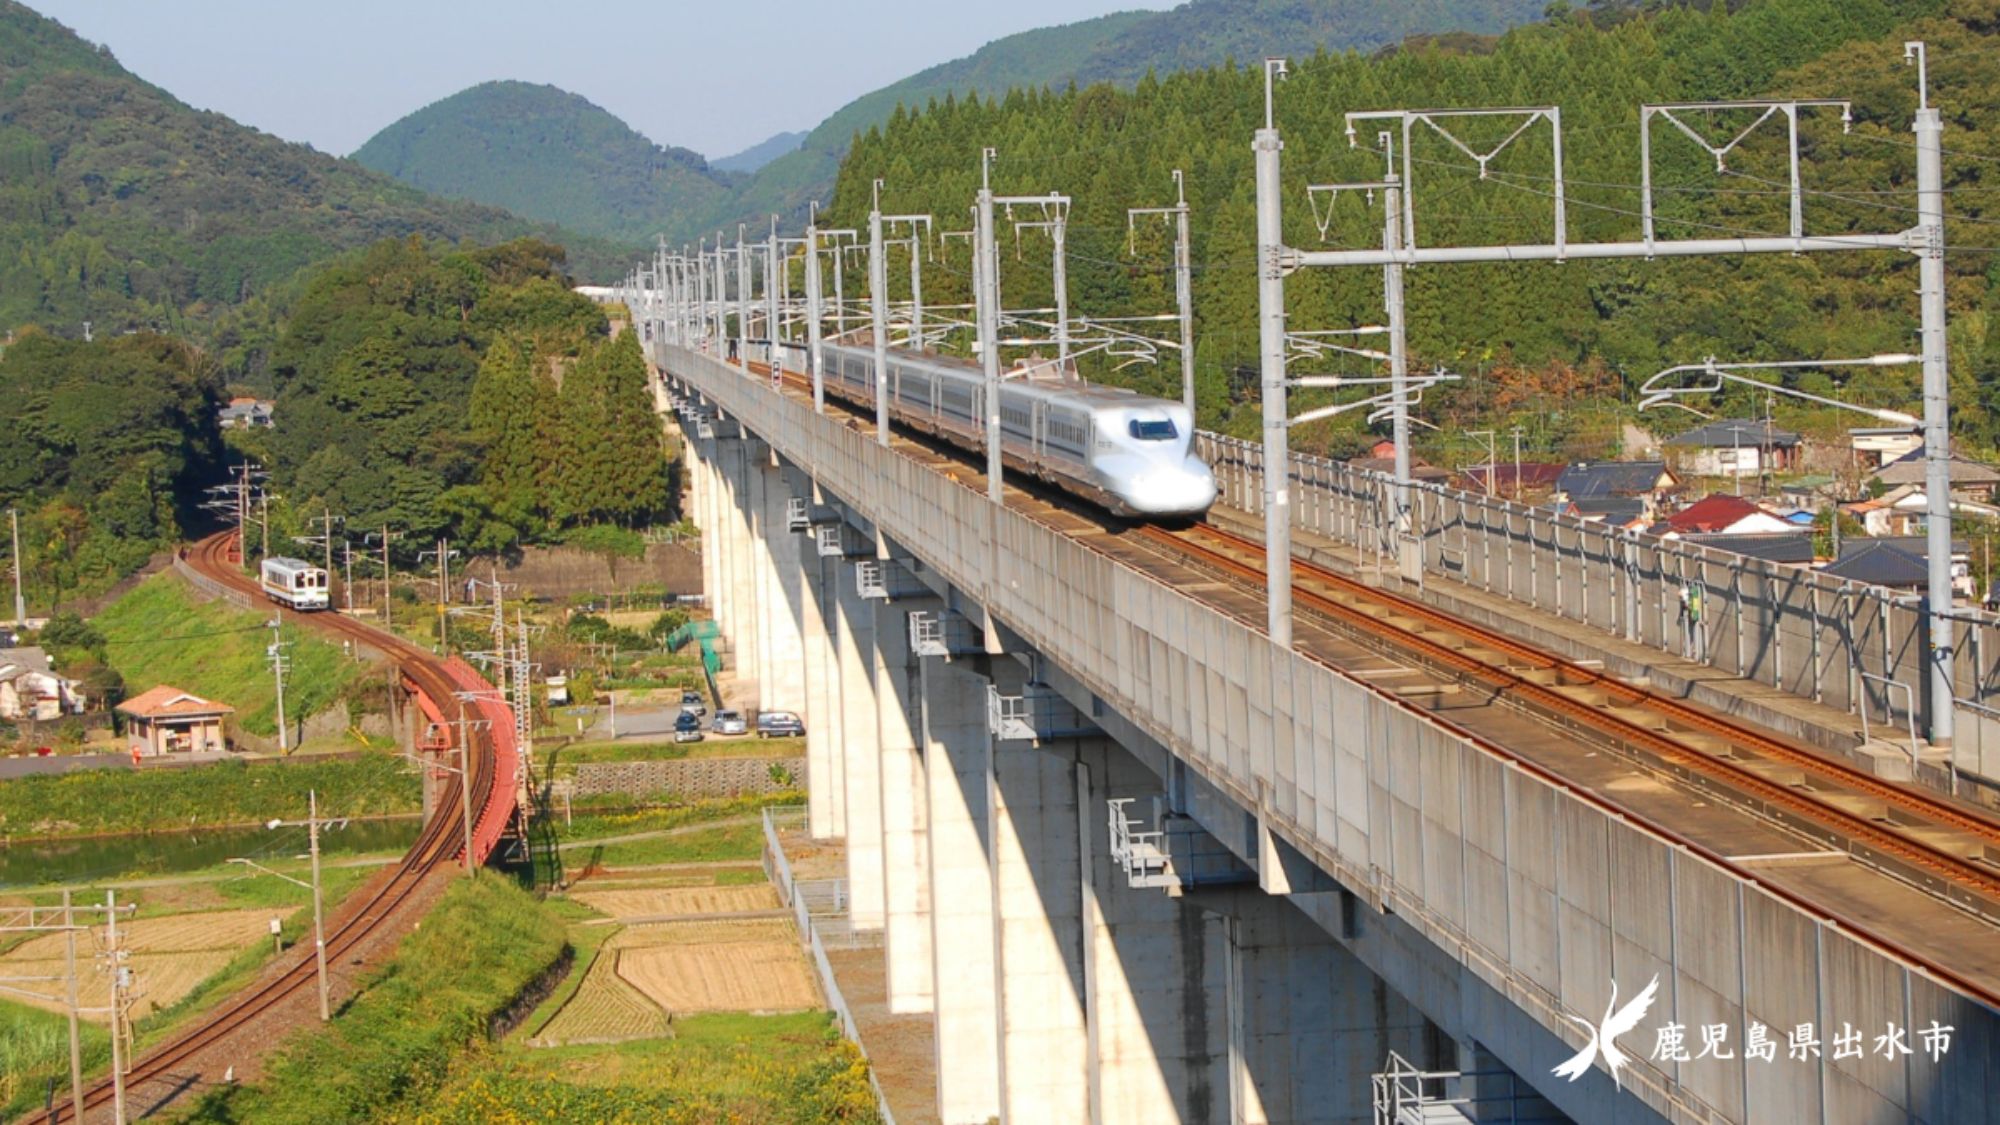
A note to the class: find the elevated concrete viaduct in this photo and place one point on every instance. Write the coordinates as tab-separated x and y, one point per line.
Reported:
1141	865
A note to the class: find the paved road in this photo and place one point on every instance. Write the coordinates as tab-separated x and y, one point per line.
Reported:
61	763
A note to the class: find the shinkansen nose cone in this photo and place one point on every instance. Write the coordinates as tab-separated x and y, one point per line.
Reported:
1188	489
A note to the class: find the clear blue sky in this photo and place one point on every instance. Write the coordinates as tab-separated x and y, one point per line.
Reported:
715	76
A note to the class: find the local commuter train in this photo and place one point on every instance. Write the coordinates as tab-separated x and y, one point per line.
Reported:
1124	450
293	582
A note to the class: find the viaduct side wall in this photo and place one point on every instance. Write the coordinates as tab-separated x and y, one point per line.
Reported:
1542	893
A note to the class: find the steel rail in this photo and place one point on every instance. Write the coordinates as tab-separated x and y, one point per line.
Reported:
1945	864
436	845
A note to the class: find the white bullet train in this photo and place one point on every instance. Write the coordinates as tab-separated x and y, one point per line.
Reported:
1115	447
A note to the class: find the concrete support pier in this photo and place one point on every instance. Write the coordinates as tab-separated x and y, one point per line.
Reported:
965	1008
905	833
1035	845
860	753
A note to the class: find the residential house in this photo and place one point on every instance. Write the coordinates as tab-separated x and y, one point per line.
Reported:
244	414
1899	562
1876	446
1792	548
167	720
1720	514
1645	481
31	689
1736	447
1889	514
1509	479
1972	482
1419	470
1628	512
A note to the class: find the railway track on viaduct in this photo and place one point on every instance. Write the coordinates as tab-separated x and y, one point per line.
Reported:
1944	849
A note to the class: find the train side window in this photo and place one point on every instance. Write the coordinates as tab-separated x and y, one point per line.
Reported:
1161	430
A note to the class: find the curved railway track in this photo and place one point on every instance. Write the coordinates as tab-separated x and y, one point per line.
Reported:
437	845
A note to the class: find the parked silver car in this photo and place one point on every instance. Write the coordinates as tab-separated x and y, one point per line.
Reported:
729	722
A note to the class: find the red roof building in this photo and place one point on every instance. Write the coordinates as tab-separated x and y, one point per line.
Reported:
1722	515
167	720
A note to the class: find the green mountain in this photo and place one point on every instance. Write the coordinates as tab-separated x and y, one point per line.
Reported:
526	153
540	151
1554	348
122	206
759	154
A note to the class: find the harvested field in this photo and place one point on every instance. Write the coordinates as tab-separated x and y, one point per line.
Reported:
604	1009
724	931
646	902
158	980
749	976
168	933
169	956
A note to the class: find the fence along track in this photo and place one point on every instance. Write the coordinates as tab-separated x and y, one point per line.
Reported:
1349	607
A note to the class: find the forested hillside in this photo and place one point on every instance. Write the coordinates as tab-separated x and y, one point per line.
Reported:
418	390
558	158
124	207
108	445
1535	337
540	151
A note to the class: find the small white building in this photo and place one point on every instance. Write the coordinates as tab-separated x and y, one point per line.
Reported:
31	689
1876	446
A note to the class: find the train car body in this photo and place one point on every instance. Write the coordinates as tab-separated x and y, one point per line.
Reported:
1126	451
293	582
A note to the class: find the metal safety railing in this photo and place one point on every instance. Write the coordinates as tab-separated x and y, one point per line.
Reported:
816	927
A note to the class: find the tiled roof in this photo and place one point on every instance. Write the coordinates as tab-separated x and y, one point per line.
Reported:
1712	513
1775	546
1610	478
1731	433
1879	563
166	702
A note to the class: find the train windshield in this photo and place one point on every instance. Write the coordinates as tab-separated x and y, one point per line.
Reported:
1160	430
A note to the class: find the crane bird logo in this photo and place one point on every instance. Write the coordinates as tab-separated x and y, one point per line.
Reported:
1604	1036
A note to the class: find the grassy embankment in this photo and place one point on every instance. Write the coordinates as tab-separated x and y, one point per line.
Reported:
390	1046
160	634
99	802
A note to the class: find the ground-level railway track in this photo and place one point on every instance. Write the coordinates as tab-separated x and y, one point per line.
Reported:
1941	846
383	900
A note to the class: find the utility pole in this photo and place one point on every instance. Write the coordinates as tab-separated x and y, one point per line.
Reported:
742	297
1271	343
70	1004
387	536
1929	129
1183	279
878	309
347	582
815	357
312	825
987	271
62	919
1516	492
773	313
276	653
20	603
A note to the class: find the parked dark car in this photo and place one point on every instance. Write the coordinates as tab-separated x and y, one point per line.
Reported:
729	722
693	703
687	727
778	724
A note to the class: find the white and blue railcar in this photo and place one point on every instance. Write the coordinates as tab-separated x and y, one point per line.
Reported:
1127	451
293	582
